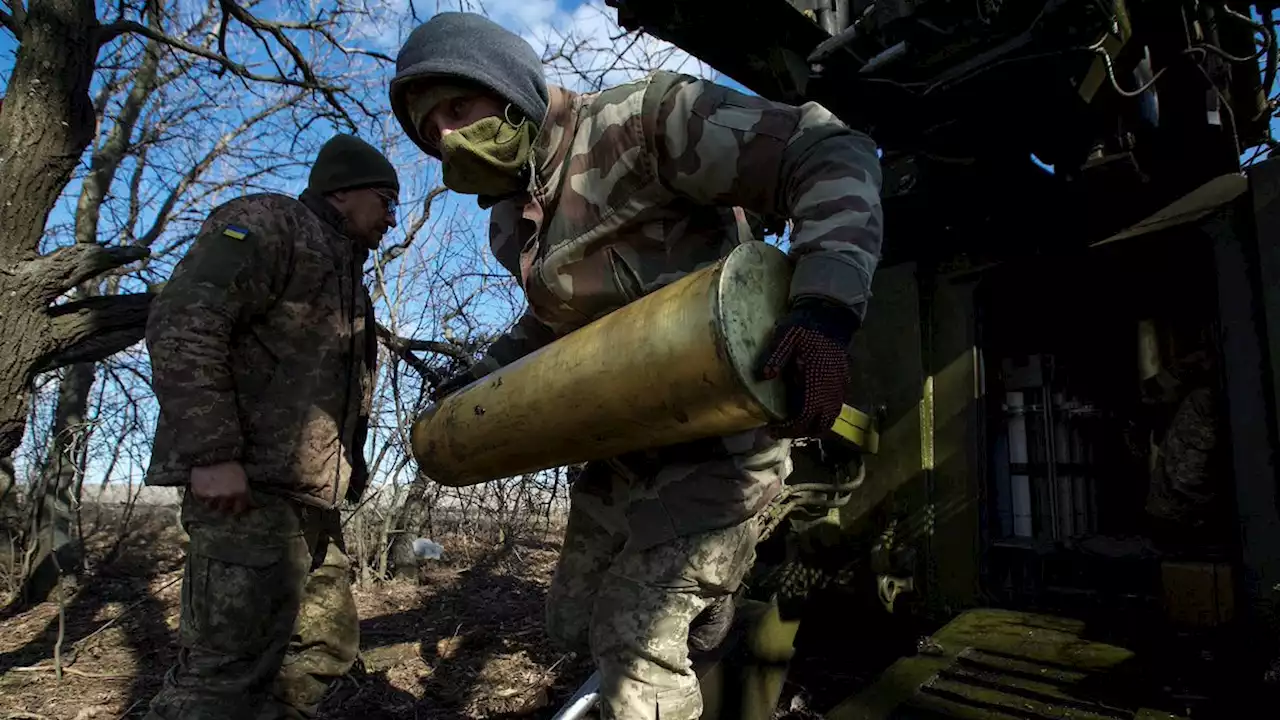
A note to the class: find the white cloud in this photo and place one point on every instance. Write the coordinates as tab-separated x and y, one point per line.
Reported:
587	49
516	15
603	54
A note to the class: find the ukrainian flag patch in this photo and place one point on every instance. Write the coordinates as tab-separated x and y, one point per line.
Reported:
235	232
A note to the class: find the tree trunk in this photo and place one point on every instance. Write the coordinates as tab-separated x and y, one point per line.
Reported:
63	473
47	119
405	527
46	123
64	470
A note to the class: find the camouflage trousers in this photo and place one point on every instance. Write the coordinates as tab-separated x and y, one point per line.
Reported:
268	619
644	553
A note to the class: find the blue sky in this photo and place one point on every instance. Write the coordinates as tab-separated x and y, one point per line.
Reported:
539	21
456	235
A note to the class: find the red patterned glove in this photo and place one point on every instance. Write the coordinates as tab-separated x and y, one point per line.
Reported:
808	353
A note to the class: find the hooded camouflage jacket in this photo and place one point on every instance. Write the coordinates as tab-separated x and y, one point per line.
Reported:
262	351
639	185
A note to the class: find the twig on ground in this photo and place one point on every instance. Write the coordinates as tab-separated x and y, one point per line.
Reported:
72	671
556	664
79	645
62	607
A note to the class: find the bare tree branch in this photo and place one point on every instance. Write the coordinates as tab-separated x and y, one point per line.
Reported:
222	38
430	374
304	66
396	250
107	33
352	51
398	344
94	328
16	18
65	268
106	160
165	213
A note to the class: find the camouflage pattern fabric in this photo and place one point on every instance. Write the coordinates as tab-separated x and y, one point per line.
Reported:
268	619
652	498
639	185
1185	484
632	609
263	351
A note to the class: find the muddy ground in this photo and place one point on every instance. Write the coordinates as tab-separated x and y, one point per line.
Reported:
466	642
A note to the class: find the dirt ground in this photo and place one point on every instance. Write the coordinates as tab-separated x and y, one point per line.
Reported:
467	642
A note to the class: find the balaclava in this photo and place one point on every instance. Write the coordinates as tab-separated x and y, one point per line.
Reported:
454	53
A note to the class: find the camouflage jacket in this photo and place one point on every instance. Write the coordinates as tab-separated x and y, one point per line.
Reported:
263	351
1186	482
638	185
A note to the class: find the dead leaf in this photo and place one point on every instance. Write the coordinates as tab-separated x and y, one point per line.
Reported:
448	647
534	702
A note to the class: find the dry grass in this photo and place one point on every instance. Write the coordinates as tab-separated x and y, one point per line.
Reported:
467	642
128	612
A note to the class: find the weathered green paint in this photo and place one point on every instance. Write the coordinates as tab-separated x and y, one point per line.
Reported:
887	372
748	685
957	464
985	660
915	359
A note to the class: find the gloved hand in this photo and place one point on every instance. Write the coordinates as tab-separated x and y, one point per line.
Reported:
450	385
711	626
808	353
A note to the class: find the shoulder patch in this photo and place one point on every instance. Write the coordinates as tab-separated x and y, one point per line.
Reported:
235	232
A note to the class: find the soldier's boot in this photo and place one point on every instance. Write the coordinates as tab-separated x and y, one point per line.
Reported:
326	635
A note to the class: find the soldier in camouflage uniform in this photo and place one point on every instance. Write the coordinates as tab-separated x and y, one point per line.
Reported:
598	199
263	355
1184	497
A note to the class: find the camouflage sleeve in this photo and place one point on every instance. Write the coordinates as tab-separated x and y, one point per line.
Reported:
232	271
529	333
526	336
368	385
722	147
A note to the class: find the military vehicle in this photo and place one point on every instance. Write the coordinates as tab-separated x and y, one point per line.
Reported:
1078	307
1053	491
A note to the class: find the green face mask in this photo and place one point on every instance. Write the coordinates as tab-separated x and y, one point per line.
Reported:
487	157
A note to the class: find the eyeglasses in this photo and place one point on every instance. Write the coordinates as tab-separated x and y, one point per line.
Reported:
389	200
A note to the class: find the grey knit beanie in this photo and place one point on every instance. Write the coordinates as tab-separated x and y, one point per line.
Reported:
467	47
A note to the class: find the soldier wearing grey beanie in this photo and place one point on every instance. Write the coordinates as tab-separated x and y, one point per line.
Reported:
600	198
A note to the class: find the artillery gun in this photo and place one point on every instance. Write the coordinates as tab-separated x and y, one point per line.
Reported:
1054	492
1075	250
